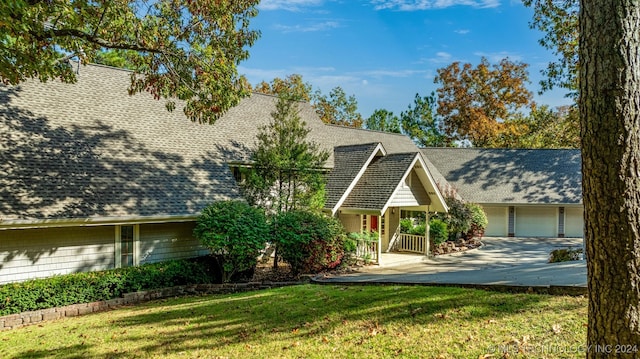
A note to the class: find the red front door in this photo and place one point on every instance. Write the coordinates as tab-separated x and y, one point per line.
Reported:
374	223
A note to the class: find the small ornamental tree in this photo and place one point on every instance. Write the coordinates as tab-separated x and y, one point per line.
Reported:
235	233
310	242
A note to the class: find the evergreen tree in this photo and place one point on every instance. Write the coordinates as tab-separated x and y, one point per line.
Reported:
287	168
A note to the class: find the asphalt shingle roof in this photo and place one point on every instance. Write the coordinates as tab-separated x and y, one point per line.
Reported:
88	149
511	176
349	161
379	181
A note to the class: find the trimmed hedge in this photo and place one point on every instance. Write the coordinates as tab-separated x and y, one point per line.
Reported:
96	286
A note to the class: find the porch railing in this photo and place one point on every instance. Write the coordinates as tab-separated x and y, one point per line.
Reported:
411	243
367	250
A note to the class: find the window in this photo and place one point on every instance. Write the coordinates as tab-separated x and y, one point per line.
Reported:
237	174
364	223
382	224
126	246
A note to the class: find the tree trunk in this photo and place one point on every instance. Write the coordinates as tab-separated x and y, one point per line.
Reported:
610	128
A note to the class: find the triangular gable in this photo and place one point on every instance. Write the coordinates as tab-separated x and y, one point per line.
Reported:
421	171
383	179
351	163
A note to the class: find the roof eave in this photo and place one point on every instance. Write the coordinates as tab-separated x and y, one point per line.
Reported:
91	221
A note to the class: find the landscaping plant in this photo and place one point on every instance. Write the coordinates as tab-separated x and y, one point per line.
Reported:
438	231
309	241
104	285
478	220
235	233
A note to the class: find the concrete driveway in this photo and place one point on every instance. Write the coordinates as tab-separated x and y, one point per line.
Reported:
500	261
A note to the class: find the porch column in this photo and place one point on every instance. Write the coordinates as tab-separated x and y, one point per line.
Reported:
379	246
426	235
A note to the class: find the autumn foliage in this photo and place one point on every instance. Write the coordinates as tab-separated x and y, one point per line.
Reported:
478	104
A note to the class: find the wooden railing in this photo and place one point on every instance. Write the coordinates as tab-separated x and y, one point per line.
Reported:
411	243
367	251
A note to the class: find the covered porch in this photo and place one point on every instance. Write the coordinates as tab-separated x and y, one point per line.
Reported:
390	244
369	188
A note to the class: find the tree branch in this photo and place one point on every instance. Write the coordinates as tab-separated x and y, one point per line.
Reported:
52	33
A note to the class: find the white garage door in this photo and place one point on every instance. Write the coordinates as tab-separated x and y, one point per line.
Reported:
497	218
536	222
573	222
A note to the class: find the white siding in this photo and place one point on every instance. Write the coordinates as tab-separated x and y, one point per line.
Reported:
497	218
411	193
166	241
574	222
38	253
536	222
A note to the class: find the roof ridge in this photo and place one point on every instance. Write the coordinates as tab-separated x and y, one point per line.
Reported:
499	149
366	130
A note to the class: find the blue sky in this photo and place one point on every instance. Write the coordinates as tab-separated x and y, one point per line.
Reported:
386	51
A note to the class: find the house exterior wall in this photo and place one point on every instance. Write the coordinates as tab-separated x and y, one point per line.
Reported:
351	222
411	193
165	241
38	253
393	221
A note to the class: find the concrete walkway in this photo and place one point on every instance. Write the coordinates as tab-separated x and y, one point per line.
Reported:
500	262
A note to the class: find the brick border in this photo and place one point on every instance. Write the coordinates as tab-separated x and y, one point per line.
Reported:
14	321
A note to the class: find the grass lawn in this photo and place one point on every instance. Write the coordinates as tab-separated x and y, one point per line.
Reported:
316	321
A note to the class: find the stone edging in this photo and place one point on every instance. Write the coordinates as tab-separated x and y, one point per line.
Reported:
14	321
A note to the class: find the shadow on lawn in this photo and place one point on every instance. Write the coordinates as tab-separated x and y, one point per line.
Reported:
256	318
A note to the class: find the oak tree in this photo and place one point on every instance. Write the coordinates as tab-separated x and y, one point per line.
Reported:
180	49
610	121
475	103
337	108
558	21
292	86
542	127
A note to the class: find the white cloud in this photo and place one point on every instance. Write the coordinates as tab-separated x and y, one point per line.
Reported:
289	5
462	31
440	57
321	26
414	5
495	57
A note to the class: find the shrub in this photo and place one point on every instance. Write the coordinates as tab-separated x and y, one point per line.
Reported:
309	242
458	219
96	286
406	225
419	230
478	220
438	231
565	255
235	233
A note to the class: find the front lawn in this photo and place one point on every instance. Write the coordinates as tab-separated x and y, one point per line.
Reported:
316	321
